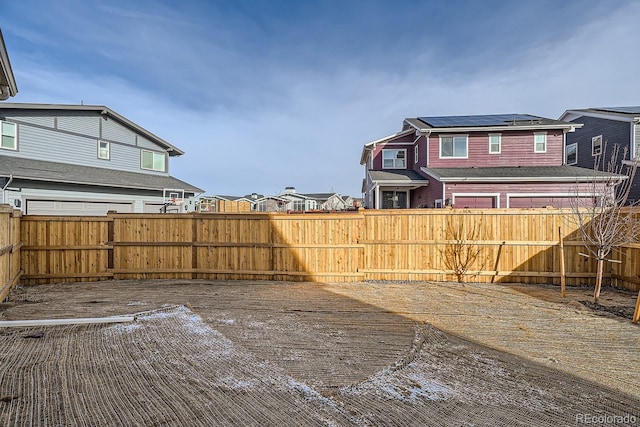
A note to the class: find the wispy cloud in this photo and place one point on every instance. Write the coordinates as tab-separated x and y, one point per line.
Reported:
261	98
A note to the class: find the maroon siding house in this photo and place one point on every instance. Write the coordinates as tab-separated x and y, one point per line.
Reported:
488	161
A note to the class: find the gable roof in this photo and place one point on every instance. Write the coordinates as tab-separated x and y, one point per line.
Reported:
8	85
276	198
320	196
562	173
490	122
98	109
39	170
227	198
370	146
623	114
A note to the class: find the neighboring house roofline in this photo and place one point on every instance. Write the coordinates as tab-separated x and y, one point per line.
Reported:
600	114
399	178
101	109
226	198
298	195
320	195
370	146
425	129
280	199
54	172
8	85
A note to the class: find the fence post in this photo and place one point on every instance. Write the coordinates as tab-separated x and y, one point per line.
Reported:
562	272
194	247
110	239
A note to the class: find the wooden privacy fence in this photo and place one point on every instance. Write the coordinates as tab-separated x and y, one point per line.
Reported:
10	245
517	246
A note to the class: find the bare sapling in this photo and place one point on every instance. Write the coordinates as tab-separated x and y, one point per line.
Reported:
463	248
608	221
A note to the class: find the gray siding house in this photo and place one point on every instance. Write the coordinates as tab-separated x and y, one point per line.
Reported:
84	160
603	126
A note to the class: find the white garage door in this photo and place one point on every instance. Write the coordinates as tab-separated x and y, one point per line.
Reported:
65	207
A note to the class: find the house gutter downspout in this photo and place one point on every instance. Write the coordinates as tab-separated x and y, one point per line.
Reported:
6	186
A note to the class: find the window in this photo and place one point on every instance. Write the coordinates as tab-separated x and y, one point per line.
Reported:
153	161
540	142
103	150
8	132
416	151
596	145
495	143
454	147
299	205
394	159
571	154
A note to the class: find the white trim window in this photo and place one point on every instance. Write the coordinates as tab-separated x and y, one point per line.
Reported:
454	146
571	155
495	143
596	145
152	160
299	205
8	140
104	150
540	142
416	151
394	159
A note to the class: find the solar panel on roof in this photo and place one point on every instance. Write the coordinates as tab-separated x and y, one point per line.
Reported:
626	110
484	120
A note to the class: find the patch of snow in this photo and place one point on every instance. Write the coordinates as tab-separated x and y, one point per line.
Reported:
136	303
122	328
309	393
404	386
239	384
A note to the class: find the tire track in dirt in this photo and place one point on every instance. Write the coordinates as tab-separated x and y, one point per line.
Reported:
171	368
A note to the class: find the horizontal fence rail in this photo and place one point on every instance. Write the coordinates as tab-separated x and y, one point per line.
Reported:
516	245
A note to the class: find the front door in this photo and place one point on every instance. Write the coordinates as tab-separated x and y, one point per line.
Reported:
394	200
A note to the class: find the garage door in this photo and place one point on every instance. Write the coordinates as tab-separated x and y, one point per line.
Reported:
541	202
475	202
64	207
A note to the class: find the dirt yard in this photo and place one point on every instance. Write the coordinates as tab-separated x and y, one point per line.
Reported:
273	353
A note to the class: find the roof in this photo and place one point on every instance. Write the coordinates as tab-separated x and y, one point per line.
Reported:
98	109
562	173
224	197
626	114
39	170
8	85
489	122
397	175
371	145
320	196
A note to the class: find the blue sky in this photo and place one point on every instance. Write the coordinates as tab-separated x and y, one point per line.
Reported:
267	94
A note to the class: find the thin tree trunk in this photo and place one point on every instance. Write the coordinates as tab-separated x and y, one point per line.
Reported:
596	293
